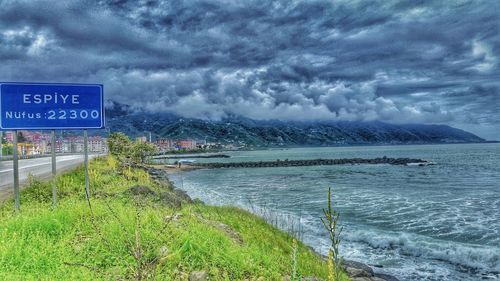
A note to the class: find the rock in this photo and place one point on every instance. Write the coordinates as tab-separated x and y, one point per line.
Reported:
198	276
357	269
386	277
311	278
373	278
162	255
227	230
366	279
198	202
171	199
307	278
361	272
162	252
183	195
354	272
140	190
311	162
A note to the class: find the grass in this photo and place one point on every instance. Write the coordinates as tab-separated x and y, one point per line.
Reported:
142	237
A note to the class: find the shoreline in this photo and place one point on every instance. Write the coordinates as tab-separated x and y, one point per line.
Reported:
357	271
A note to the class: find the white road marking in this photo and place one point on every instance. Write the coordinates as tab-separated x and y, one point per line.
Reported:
36	165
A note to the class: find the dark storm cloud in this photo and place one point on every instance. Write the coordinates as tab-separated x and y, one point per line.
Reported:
394	61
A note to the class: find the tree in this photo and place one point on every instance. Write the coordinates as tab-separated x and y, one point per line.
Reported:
119	145
140	150
21	137
7	148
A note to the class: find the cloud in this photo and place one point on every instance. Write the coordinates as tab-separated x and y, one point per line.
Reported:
484	54
407	62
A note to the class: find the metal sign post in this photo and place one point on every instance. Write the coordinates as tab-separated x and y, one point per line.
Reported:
16	172
1	145
86	161
53	152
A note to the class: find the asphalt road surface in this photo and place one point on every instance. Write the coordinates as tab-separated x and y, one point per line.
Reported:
39	167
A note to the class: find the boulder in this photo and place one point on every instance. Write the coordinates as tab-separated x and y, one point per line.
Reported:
357	269
198	276
354	272
361	272
139	190
163	252
171	199
182	194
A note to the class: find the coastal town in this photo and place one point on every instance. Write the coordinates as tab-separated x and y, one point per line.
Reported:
36	143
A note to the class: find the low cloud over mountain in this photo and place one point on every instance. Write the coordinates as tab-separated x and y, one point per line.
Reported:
397	62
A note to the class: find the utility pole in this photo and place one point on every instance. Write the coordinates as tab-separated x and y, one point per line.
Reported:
149	137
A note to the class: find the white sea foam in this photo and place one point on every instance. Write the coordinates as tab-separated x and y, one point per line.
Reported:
485	259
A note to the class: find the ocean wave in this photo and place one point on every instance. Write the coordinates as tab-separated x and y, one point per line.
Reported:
472	258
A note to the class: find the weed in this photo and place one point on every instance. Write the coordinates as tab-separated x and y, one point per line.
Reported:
330	221
295	275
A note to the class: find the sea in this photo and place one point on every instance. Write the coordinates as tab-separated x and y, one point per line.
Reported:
435	222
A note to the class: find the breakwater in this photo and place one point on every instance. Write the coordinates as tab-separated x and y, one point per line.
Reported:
312	162
188	156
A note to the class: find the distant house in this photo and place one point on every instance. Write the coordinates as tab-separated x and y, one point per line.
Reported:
26	149
9	137
35	143
165	144
98	144
186	144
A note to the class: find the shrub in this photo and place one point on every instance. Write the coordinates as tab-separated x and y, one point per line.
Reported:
330	221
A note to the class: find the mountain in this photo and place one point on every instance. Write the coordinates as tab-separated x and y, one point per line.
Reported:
242	131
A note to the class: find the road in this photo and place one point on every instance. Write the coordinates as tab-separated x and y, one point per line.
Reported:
40	168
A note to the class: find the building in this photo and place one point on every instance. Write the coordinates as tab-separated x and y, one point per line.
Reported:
98	145
186	144
36	143
25	148
73	144
165	145
9	137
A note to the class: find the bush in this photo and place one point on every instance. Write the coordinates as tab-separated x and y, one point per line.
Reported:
124	149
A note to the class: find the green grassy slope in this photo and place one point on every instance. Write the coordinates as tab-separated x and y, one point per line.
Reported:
152	233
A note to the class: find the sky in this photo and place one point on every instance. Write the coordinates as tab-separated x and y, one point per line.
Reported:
432	62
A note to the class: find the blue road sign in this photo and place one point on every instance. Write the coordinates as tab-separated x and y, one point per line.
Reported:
47	106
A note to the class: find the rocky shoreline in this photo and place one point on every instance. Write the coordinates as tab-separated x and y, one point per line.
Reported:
357	271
